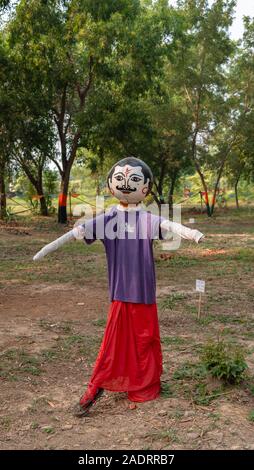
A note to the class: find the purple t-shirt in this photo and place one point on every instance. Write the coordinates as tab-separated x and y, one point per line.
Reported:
128	240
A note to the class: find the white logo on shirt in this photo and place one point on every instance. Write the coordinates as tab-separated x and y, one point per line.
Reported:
129	228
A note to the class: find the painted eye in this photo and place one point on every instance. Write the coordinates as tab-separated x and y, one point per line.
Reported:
135	179
119	178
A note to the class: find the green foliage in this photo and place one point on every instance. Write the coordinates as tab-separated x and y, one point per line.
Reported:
4	3
166	390
189	371
171	301
224	361
17	363
251	416
112	77
24	186
202	396
50	180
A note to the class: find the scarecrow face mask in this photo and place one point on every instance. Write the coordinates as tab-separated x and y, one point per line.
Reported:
129	182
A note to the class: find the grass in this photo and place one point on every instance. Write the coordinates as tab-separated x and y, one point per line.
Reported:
202	396
71	346
174	340
166	390
251	389
48	430
5	423
251	416
227	310
16	364
190	371
64	326
99	322
224	319
192	378
169	435
39	404
170	301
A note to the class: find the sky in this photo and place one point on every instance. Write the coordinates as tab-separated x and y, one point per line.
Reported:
244	8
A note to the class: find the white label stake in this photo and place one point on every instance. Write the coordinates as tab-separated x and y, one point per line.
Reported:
200	287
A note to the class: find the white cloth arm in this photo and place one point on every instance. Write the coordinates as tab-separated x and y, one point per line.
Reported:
182	231
54	245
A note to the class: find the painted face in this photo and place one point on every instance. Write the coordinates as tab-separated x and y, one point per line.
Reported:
128	185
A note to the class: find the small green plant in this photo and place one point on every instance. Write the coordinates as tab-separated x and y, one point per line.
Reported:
34	425
170	301
48	430
224	361
172	340
251	416
251	389
166	390
189	371
17	363
100	322
202	396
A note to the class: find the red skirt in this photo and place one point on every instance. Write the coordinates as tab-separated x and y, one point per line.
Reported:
130	356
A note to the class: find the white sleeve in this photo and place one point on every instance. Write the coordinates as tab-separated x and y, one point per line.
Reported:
182	230
53	246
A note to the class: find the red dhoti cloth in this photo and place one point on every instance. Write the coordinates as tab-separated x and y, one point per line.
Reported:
130	357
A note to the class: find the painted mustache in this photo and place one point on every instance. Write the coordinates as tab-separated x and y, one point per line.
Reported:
126	190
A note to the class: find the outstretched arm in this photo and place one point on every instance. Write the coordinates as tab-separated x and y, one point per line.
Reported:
182	231
76	233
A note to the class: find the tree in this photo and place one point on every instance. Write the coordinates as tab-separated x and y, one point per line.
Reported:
170	157
200	75
242	91
4	3
85	55
7	120
34	141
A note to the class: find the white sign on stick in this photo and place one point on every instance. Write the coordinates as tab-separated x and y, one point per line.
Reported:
200	285
191	221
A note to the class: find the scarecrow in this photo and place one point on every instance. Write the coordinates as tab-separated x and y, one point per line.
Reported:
130	356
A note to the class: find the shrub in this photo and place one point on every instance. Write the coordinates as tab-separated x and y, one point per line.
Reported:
224	361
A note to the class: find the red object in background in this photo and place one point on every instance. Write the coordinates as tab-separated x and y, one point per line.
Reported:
130	357
62	200
205	196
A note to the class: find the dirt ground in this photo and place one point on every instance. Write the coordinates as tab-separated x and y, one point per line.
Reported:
52	318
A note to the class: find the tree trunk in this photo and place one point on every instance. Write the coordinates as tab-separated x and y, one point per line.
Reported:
43	206
43	203
236	187
3	212
62	200
236	195
156	198
36	180
207	204
171	192
63	129
202	178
